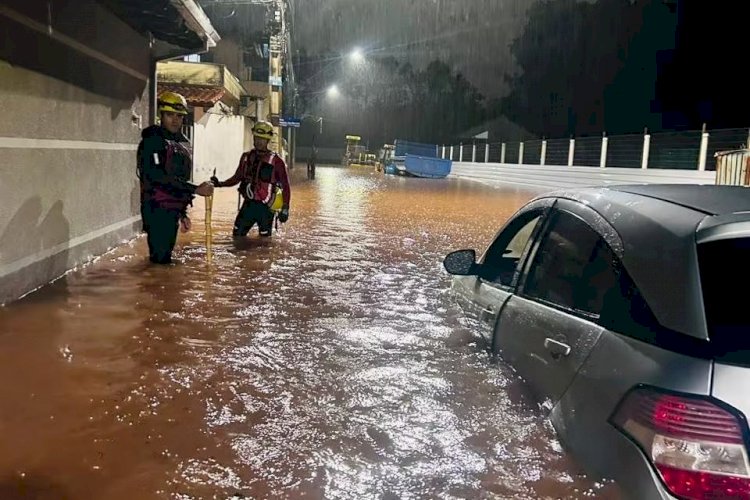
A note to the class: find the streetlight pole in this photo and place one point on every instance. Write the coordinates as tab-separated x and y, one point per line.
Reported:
289	145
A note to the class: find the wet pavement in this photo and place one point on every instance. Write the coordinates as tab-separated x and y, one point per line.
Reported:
328	362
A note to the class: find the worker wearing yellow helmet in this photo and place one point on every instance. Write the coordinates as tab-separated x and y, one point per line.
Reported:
264	185
164	166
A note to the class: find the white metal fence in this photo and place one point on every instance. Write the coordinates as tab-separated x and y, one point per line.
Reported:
733	167
681	150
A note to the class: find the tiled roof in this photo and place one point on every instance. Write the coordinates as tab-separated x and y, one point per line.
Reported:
195	95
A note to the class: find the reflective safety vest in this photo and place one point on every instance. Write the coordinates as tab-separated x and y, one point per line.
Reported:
260	182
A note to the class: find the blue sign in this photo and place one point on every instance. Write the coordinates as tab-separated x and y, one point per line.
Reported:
289	121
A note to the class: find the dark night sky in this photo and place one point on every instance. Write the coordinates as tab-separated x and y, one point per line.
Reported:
473	36
559	66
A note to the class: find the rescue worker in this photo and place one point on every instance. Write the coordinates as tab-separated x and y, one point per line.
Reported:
164	167
263	178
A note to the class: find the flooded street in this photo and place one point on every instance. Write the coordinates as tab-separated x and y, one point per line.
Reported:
328	362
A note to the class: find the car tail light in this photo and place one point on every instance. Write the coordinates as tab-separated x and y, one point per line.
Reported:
697	446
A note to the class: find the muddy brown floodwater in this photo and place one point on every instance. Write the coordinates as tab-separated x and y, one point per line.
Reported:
329	362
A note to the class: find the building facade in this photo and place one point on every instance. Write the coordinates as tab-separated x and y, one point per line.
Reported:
77	87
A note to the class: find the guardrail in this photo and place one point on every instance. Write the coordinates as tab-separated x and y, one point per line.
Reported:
550	177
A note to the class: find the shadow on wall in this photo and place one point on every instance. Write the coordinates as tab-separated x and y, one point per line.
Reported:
135	199
40	245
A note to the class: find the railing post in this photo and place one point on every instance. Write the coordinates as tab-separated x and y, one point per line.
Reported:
571	151
487	152
443	155
451	152
474	153
502	153
543	156
603	156
460	151
704	150
646	148
520	153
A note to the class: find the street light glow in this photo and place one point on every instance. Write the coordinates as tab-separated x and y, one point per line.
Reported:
356	55
333	91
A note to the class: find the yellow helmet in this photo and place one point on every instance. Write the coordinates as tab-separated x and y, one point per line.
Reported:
264	130
173	102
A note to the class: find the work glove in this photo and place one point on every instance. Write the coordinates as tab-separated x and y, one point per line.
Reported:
284	215
205	189
215	181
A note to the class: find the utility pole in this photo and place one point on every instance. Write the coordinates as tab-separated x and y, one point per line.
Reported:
290	160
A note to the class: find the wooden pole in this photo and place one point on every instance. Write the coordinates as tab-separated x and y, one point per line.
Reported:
209	208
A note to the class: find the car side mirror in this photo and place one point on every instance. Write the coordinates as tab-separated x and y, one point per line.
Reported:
461	263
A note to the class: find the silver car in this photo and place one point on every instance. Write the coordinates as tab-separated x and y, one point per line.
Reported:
626	311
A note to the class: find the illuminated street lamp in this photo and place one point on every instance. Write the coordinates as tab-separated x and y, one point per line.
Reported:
333	91
357	56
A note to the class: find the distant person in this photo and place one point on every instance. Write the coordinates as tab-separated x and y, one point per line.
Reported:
164	167
264	185
311	162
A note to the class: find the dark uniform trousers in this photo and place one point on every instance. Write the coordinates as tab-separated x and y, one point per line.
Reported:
253	212
161	225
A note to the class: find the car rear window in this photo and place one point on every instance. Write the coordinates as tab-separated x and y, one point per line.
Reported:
725	276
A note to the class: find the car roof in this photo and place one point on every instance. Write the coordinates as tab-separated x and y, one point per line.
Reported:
707	198
657	224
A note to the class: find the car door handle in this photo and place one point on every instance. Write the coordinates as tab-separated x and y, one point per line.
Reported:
556	349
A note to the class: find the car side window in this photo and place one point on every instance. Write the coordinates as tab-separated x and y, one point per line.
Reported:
501	259
573	268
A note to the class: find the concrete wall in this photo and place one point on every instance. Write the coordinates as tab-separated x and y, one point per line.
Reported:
552	177
229	53
73	103
219	141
